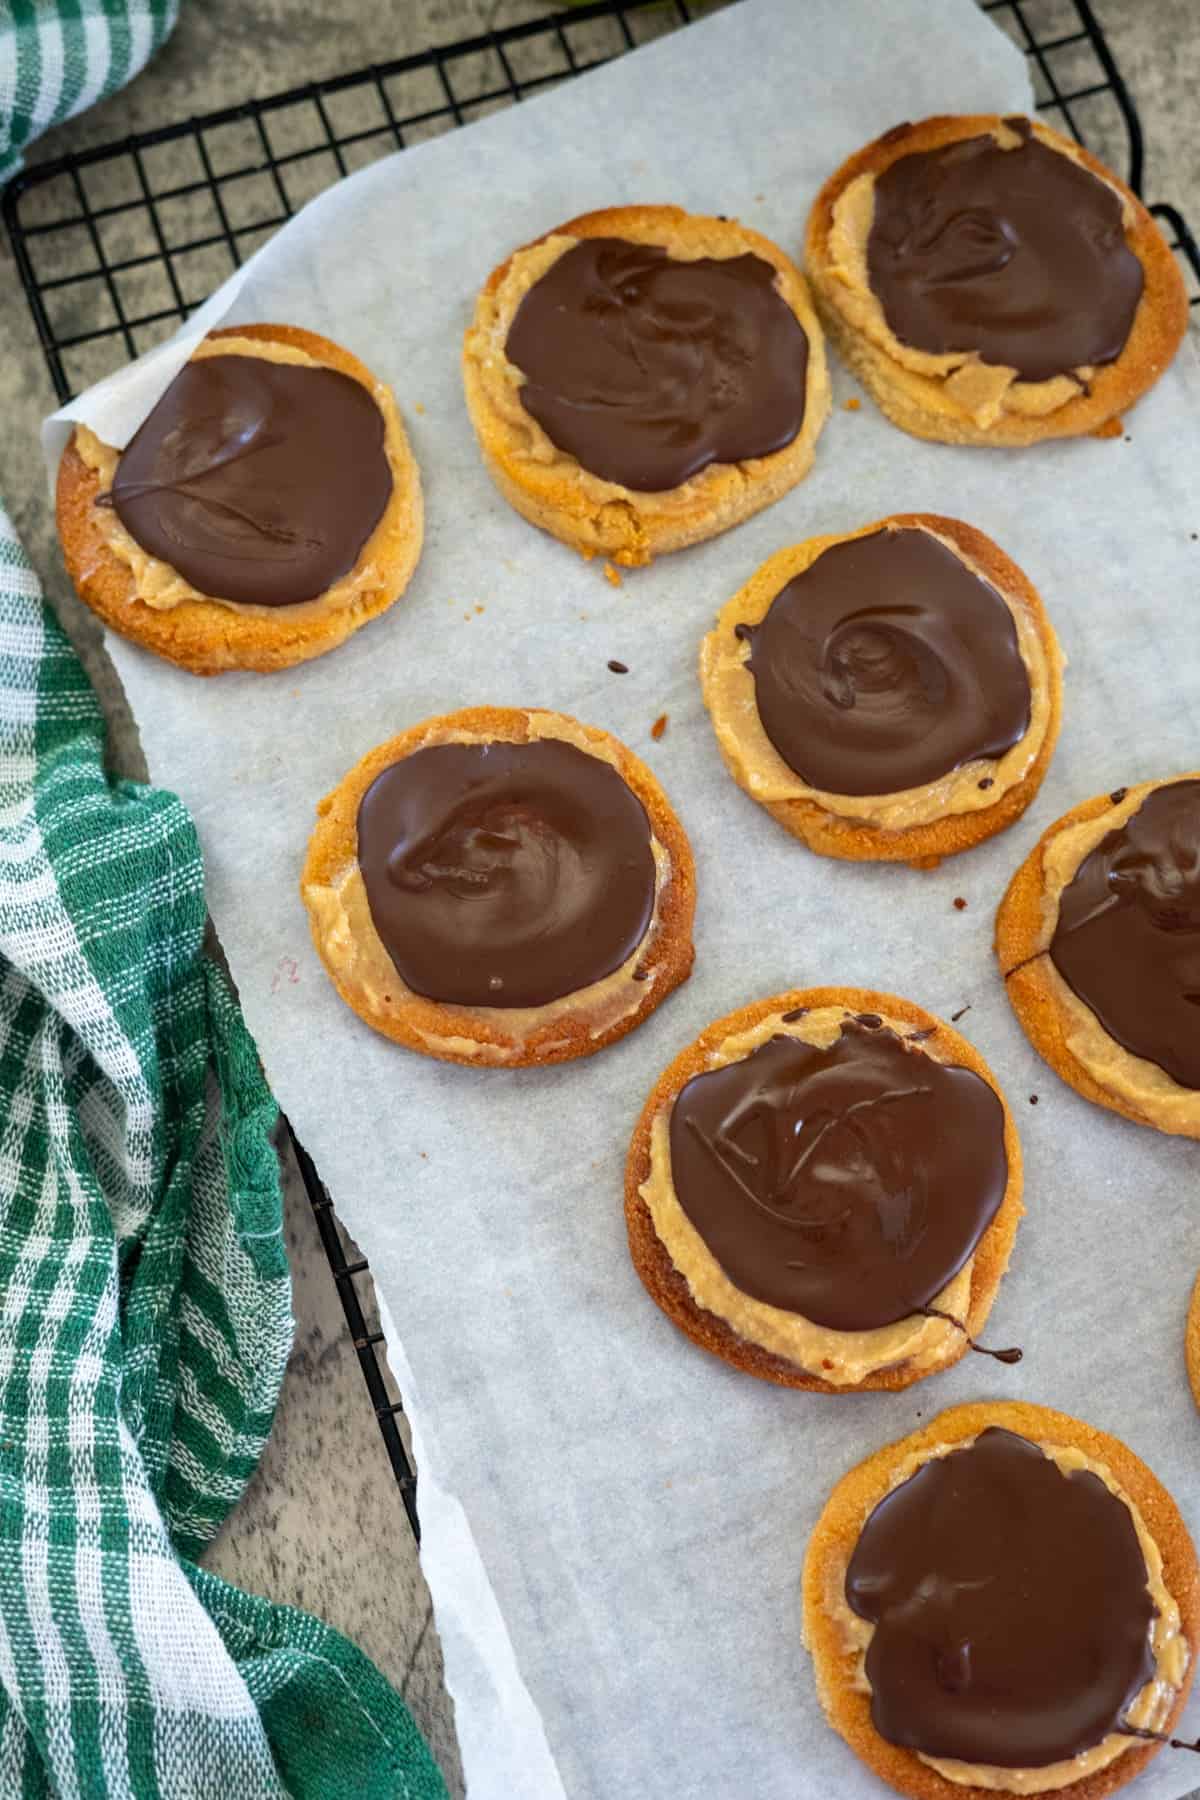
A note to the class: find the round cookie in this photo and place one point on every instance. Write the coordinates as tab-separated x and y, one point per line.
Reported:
370	472
522	854
1152	846
775	1343
1191	1342
657	467
927	254
837	1637
960	638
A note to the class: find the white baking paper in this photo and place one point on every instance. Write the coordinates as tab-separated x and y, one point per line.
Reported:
614	1521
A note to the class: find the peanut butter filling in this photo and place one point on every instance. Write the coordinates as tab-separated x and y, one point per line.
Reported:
984	392
351	945
843	1358
755	763
161	587
1153	1704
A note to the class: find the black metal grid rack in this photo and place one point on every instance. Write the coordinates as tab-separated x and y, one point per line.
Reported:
117	245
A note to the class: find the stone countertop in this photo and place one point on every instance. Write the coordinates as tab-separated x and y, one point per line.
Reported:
322	1525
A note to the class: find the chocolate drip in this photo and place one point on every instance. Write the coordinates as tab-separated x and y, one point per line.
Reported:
258	481
1017	255
1156	1737
504	874
1001	1356
887	664
1127	941
647	368
1011	1608
848	1184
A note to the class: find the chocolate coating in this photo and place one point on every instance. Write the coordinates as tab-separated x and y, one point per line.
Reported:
849	1184
1018	255
502	874
1012	1616
646	368
258	481
887	664
1127	939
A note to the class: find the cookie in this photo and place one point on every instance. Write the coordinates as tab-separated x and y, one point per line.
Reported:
1098	939
890	694
643	378
981	1599
1191	1342
990	282
267	507
501	886
902	1189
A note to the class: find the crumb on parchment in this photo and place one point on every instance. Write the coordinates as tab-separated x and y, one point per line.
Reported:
611	575
658	727
853	404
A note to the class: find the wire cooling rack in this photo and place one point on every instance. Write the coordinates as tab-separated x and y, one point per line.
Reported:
117	245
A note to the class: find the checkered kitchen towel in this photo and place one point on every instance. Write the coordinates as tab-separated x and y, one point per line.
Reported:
59	56
144	1305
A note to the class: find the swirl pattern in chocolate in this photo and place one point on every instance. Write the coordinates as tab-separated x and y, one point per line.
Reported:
1016	255
1011	1608
502	874
887	664
1127	941
647	368
846	1184
258	481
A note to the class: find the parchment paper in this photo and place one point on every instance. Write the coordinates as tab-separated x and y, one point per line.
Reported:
614	1521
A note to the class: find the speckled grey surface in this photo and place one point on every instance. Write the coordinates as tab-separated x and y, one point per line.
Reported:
321	1525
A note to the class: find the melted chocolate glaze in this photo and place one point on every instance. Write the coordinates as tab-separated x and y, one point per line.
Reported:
887	664
646	368
1128	934
1010	1603
504	874
1018	255
258	481
848	1184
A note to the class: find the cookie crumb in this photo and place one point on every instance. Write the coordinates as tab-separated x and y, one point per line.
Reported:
479	609
658	727
987	782
1111	428
960	904
612	575
1033	1099
618	668
417	406
955	1017
853	404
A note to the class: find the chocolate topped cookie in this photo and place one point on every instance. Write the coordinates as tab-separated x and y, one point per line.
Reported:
266	507
991	283
643	378
502	887
824	1190
892	694
1006	1599
1098	938
647	368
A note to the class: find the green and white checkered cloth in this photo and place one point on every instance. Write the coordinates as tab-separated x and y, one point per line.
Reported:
144	1290
59	56
144	1305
